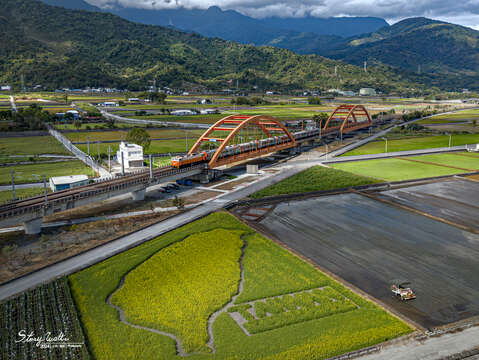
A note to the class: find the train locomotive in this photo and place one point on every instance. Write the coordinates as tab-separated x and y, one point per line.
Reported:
230	150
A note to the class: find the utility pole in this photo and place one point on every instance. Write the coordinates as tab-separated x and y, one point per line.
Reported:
109	158
386	146
365	66
22	80
88	144
122	163
45	189
151	167
13	186
450	139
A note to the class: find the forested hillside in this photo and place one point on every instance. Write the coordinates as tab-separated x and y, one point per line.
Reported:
56	47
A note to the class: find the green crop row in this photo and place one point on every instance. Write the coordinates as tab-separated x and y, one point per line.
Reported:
316	178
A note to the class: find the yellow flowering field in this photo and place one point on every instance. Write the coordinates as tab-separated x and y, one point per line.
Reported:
182	285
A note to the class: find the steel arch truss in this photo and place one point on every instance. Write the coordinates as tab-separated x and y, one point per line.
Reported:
347	118
240	137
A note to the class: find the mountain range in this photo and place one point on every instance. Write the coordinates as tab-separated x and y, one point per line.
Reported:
430	51
58	47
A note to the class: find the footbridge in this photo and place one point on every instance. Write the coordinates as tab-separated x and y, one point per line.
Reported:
231	140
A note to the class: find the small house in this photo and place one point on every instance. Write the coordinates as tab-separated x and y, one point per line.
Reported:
58	183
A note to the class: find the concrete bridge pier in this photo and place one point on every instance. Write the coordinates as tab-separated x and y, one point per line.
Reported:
138	195
33	226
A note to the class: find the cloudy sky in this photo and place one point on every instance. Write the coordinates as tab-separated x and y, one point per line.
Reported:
464	12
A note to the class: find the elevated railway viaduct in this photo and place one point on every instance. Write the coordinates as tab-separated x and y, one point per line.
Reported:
229	141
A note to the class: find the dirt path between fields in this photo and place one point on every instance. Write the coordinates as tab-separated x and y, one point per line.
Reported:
179	346
213	317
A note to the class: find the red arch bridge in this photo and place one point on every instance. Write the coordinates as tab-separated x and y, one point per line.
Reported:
239	137
230	140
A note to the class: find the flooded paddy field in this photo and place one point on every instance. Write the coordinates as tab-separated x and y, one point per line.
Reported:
455	200
370	244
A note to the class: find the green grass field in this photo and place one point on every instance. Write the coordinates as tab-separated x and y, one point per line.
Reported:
21	194
121	134
32	145
34	173
459	116
414	143
268	270
316	178
156	147
396	169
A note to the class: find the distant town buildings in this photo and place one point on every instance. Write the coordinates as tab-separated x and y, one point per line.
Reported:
5	88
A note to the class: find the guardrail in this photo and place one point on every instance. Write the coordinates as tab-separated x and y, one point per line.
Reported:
77	152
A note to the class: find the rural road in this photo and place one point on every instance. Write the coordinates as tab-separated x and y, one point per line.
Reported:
155	122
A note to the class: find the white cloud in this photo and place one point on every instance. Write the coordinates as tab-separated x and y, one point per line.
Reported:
464	12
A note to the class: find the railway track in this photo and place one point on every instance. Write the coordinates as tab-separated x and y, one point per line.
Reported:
39	202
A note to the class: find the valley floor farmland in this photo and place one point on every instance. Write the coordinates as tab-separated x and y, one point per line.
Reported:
346	321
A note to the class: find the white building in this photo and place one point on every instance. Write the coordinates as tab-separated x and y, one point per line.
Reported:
75	114
6	88
183	112
109	104
58	183
367	92
132	155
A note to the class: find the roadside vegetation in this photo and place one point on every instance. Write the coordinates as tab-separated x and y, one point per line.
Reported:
161	274
316	178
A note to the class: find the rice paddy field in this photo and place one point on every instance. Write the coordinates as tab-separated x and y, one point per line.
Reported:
257	301
414	143
417	167
20	194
